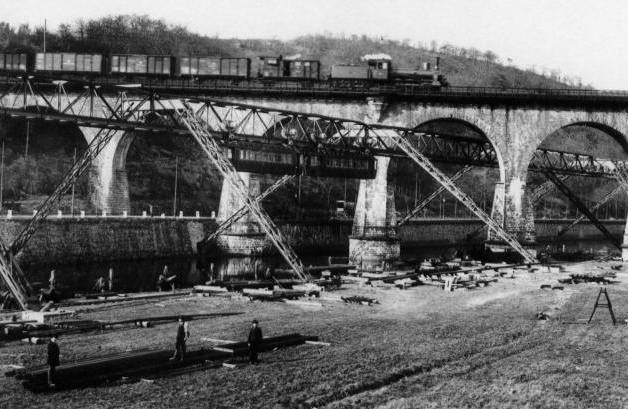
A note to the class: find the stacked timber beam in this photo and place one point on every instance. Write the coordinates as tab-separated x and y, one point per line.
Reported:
34	332
137	364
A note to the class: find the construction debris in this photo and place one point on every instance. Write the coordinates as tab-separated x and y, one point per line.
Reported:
600	278
358	299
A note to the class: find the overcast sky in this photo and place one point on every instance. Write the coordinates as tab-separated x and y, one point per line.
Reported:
578	37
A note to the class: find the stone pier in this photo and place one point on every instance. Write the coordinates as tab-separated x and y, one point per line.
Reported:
374	238
513	209
244	237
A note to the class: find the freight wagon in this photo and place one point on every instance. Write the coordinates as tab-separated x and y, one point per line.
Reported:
306	69
69	63
139	64
209	67
14	62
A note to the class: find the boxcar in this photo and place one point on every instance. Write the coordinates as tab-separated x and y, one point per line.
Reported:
14	62
69	62
309	69
358	167
199	66
235	67
140	64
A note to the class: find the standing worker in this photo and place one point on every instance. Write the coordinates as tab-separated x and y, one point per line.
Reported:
100	285
183	334
53	360
255	339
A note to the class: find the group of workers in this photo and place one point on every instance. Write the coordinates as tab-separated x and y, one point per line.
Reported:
254	341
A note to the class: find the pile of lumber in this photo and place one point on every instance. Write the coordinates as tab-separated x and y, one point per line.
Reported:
600	278
358	299
137	364
37	332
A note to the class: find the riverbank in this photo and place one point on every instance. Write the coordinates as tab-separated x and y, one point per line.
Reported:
420	347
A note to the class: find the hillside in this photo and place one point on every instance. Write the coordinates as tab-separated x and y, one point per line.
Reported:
151	163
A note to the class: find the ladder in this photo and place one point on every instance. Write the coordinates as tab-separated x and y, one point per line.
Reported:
188	118
421	160
607	305
244	210
433	196
581	207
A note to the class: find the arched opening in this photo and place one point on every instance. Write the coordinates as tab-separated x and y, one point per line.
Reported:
167	174
413	184
35	155
554	211
414	187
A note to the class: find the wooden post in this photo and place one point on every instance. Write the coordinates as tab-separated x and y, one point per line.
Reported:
110	279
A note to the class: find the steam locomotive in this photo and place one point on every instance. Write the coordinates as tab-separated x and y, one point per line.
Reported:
375	67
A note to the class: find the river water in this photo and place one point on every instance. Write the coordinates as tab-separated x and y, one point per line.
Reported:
141	275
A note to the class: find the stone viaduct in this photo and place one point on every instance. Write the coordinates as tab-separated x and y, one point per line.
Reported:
514	130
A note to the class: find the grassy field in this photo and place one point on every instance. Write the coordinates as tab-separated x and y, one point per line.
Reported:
420	348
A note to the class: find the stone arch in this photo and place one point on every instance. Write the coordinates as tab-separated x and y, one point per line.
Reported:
473	123
608	129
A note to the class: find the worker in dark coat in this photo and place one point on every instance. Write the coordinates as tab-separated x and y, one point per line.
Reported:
254	341
53	360
183	334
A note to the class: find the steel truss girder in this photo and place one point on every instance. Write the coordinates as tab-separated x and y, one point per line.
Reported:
596	206
244	210
581	207
433	171
236	121
102	138
431	197
187	116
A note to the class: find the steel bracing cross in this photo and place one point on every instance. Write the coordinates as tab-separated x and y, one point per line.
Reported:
244	210
539	192
562	187
431	197
10	271
414	154
204	137
596	206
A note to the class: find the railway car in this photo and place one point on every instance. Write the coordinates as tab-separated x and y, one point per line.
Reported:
15	63
69	63
260	160
270	67
213	67
140	64
331	165
198	66
235	67
304	69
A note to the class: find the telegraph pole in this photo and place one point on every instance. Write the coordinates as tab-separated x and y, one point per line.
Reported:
73	183
176	177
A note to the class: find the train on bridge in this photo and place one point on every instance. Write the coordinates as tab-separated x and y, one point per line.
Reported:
375	68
